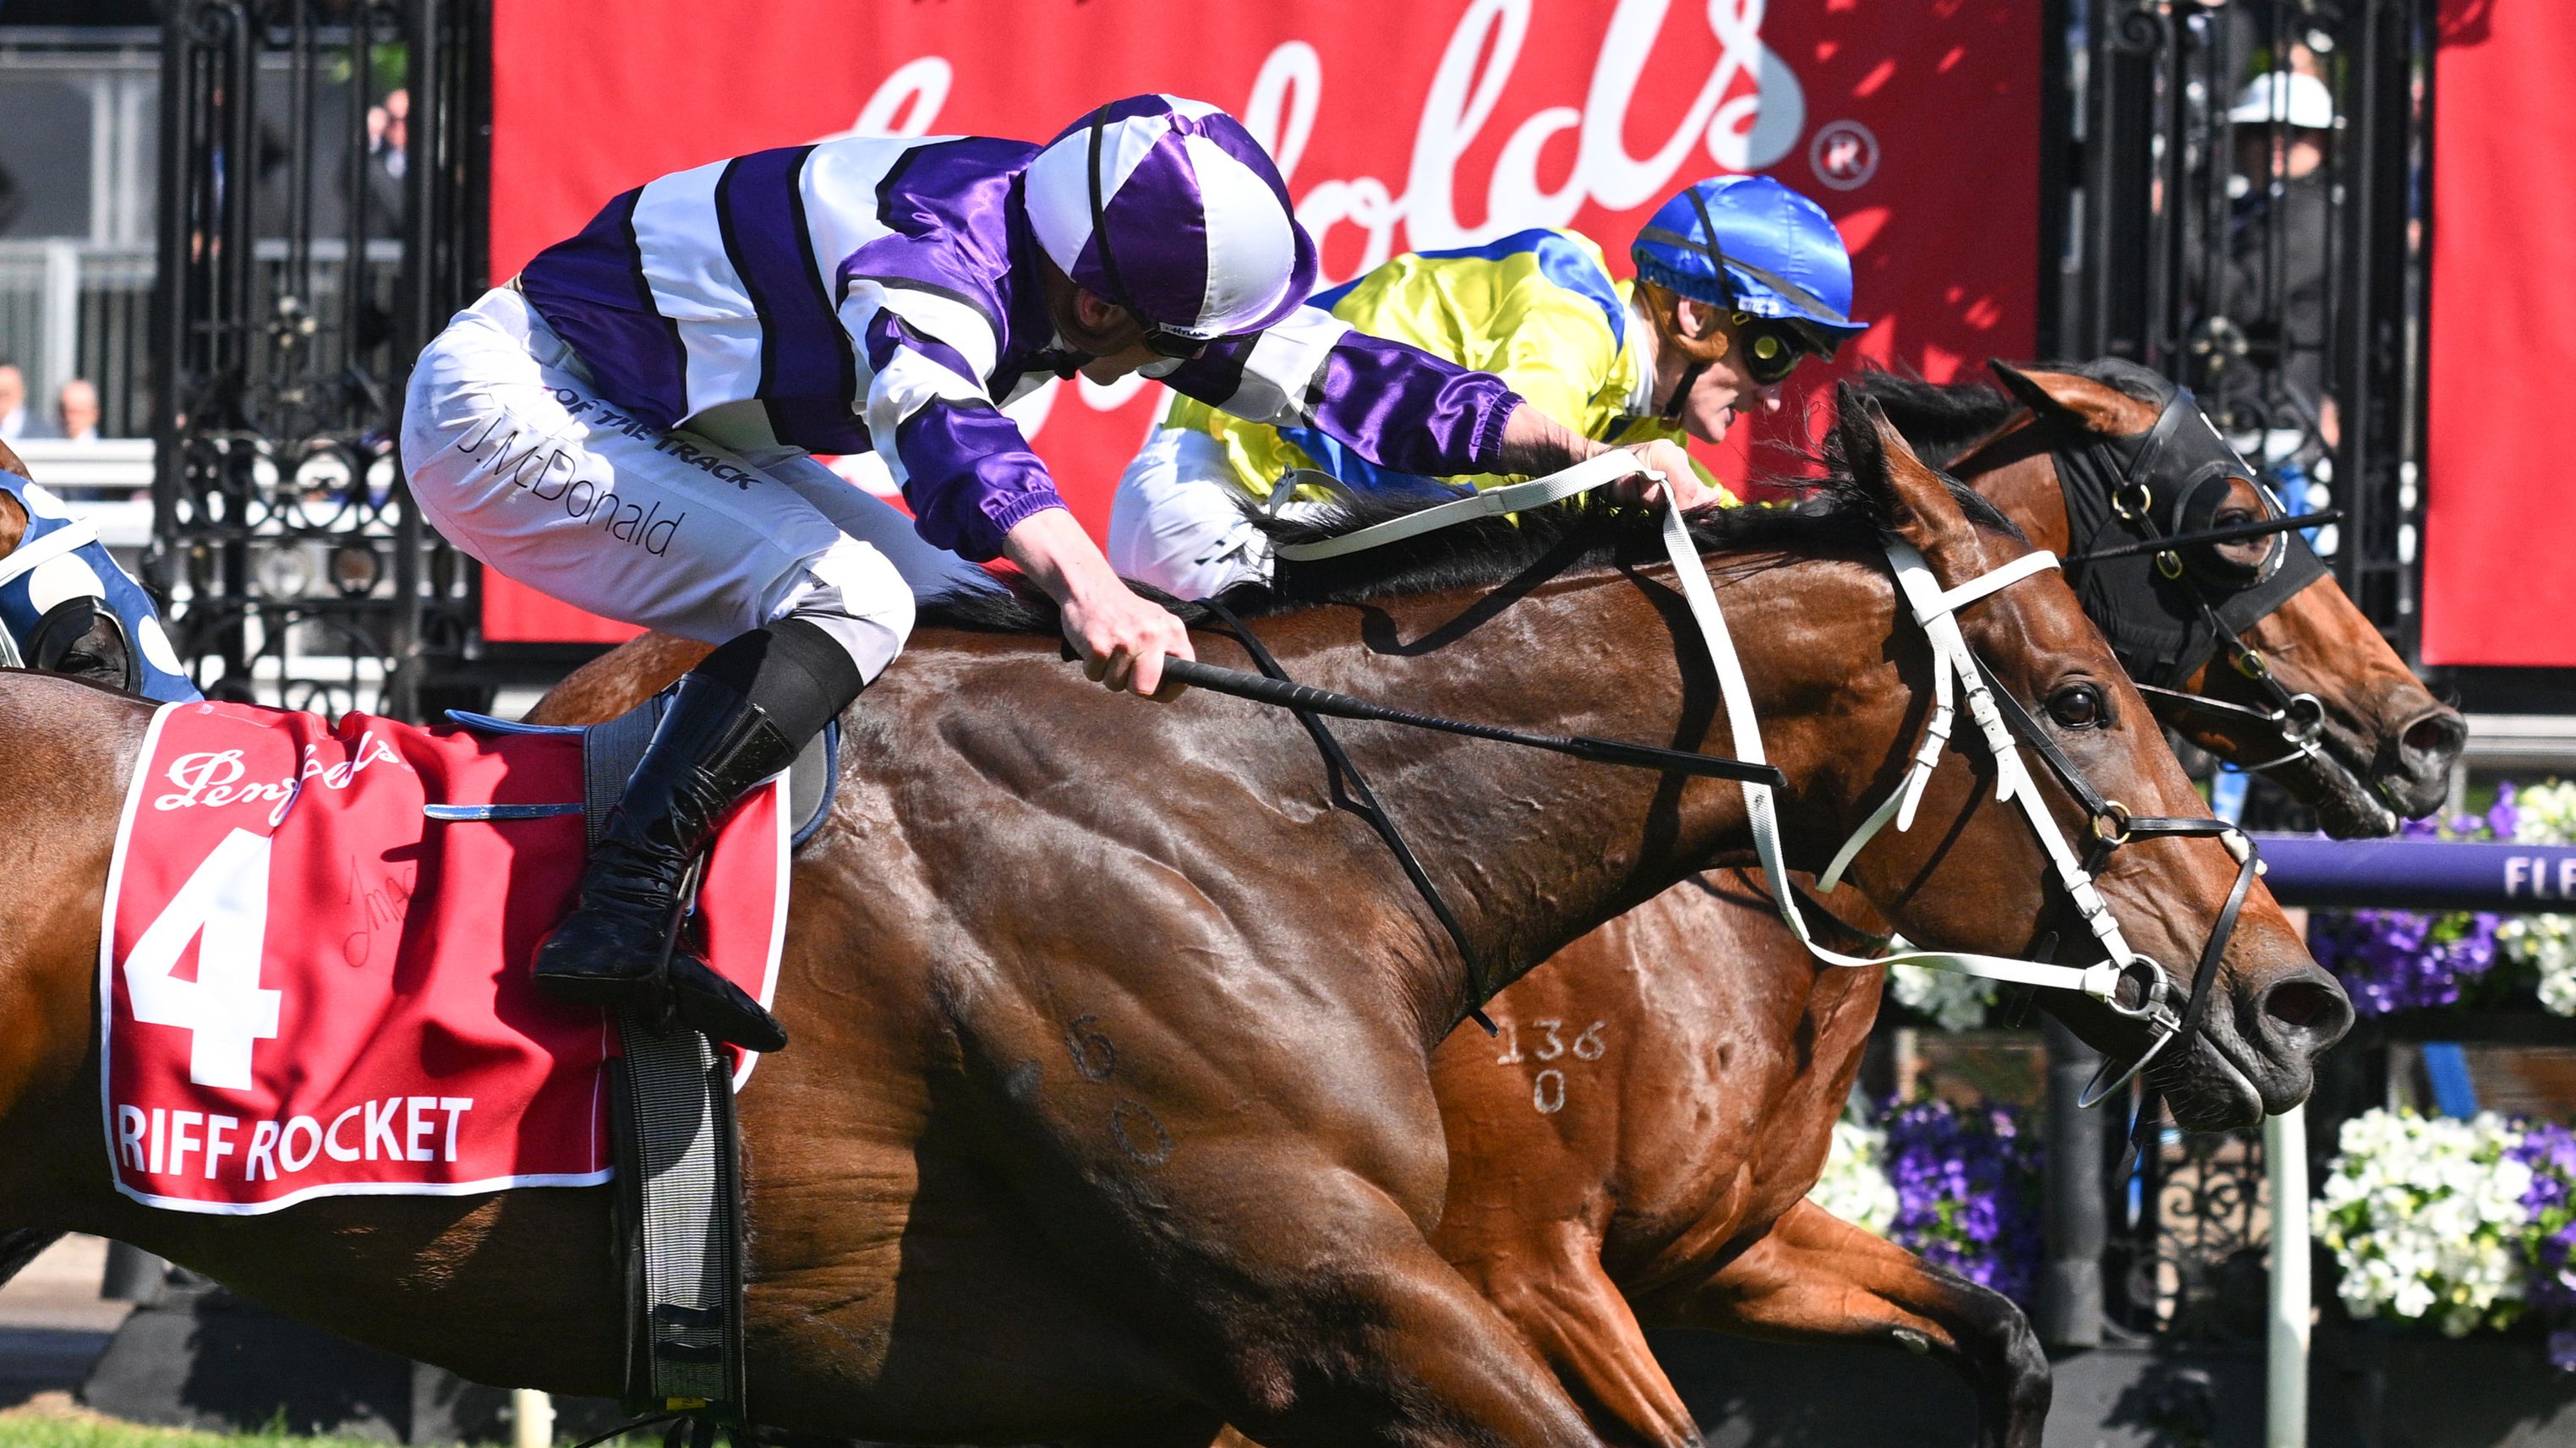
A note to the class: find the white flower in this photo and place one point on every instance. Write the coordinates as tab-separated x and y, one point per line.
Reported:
1955	1002
2545	814
2421	1215
1854	1186
2546	943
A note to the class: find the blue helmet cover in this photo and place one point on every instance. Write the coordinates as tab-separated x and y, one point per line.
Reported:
1783	257
58	558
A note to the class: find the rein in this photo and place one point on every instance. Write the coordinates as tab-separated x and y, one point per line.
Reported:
2127	983
1356	796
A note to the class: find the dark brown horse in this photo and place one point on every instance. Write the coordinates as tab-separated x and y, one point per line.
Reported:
1635	1151
1658	1178
1110	1100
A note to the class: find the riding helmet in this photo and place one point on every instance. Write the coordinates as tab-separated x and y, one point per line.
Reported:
1171	209
1752	245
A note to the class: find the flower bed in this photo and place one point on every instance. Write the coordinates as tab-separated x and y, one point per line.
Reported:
1960	1187
2460	1225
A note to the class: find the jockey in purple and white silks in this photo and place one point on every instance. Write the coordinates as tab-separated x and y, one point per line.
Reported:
626	427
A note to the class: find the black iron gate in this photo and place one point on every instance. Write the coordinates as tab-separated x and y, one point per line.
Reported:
321	216
2220	235
2239	196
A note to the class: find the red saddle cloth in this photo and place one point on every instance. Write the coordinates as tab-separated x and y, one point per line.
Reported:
313	989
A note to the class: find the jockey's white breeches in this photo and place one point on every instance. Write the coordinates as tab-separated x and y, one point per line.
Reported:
707	531
1178	521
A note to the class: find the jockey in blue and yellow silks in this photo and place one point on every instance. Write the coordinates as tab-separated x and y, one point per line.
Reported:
1738	279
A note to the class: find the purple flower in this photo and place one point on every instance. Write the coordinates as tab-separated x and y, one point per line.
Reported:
2504	814
1967	1193
2394	960
2548	1245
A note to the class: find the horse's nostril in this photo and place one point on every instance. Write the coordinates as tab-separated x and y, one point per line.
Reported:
2312	1008
2439	735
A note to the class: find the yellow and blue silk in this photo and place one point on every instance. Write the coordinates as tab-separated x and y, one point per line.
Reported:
1538	309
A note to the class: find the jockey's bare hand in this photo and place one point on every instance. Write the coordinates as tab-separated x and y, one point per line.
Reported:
1680	481
1123	639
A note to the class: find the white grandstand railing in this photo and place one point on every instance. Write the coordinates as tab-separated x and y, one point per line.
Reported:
108	481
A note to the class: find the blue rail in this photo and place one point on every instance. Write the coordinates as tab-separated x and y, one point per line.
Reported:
2408	874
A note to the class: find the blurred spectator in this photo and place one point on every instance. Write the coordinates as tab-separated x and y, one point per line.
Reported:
14	421
2277	279
388	161
76	409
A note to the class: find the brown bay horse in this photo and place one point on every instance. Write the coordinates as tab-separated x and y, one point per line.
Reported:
1635	1151
1090	1121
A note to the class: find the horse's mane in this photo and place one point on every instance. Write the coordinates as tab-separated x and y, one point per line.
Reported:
1941	420
1835	514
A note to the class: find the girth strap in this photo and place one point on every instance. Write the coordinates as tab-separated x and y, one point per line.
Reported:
1352	792
679	1167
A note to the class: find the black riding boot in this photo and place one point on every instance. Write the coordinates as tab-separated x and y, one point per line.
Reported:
721	735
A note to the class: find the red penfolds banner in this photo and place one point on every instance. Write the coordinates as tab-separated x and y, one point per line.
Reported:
2498	527
1434	123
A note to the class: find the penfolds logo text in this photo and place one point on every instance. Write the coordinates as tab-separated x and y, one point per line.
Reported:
1748	112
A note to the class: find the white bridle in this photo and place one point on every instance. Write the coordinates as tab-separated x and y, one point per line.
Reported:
1955	670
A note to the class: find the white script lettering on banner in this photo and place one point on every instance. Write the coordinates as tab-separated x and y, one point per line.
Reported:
1748	132
1748	113
215	778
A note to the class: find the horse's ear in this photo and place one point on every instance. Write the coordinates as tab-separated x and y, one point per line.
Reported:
1917	500
1857	420
2096	407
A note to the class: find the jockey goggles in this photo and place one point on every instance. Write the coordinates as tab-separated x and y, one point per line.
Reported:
1159	339
1773	348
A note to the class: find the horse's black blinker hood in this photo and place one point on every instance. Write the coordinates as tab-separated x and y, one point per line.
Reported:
2163	609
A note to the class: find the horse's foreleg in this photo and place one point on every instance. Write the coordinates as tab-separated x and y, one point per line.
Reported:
1559	1297
1817	1278
1403	1352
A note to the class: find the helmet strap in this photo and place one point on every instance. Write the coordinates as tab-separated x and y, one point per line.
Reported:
1682	390
1100	218
1707	240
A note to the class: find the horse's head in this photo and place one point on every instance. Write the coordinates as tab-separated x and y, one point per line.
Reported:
1971	873
2231	631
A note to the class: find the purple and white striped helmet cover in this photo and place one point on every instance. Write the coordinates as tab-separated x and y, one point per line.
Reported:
1198	218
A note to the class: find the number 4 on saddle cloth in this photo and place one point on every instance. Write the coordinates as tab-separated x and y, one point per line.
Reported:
315	958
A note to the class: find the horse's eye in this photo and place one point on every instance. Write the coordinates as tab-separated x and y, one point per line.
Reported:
2079	706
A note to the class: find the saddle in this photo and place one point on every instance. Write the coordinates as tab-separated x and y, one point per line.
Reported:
680	1207
609	752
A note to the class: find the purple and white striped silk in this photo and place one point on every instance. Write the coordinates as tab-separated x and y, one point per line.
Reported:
887	295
